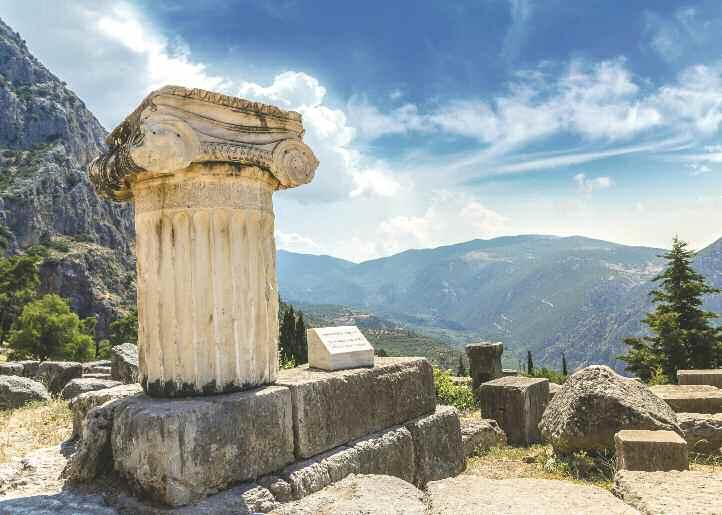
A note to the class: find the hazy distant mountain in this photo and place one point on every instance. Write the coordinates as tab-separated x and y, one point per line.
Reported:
542	293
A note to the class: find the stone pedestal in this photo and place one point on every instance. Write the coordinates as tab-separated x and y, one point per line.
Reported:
201	168
179	451
484	362
517	404
650	450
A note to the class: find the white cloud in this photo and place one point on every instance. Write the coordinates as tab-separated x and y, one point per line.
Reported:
295	242
698	168
588	185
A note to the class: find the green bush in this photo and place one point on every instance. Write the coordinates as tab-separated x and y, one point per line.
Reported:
48	329
448	392
546	373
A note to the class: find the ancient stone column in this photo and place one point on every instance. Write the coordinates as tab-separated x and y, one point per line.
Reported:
201	168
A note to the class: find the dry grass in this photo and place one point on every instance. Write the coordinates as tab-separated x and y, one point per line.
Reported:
539	462
37	425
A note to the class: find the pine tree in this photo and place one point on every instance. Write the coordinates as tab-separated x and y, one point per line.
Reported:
682	333
19	281
564	365
461	371
300	342
529	363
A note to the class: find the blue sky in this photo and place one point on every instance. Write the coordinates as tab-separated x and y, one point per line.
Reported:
438	122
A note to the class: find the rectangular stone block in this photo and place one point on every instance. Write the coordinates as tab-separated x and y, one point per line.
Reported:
517	404
703	431
712	377
333	408
178	451
690	398
438	448
650	450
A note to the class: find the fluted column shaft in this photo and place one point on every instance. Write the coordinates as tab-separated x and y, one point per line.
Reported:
207	292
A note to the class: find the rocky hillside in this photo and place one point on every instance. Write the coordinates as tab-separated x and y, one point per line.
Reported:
546	294
47	139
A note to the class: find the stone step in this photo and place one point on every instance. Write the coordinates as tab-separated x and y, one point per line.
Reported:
690	398
671	493
650	450
712	377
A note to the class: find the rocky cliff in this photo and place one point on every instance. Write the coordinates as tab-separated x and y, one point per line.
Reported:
47	139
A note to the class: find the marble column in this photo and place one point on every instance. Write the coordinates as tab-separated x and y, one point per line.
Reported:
201	168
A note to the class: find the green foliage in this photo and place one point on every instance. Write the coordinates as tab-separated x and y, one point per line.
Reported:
448	392
102	349
292	336
381	353
124	329
547	373
19	282
287	362
565	372
48	329
582	466
5	238
682	333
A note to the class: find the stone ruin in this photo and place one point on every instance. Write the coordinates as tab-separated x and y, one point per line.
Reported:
201	168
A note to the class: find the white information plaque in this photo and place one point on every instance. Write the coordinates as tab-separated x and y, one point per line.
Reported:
336	348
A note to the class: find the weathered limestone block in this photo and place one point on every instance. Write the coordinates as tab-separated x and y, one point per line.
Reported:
703	431
712	377
56	374
30	368
650	450
124	363
461	381
179	451
553	390
479	434
11	368
390	452
99	376
98	371
517	404
86	384
90	366
594	404
472	495
361	494
670	493
484	362
201	168
438	449
244	499
333	408
690	398
17	391
83	403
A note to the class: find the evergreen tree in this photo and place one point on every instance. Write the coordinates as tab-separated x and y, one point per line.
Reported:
287	334
382	353
300	342
19	281
48	329
461	371
529	363
682	335
124	329
564	365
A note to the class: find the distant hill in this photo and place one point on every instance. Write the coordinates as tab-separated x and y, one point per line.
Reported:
543	293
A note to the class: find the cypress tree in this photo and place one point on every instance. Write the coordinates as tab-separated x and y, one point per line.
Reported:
682	335
300	342
287	333
564	365
529	363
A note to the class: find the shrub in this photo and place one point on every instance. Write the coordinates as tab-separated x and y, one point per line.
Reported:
48	329
448	392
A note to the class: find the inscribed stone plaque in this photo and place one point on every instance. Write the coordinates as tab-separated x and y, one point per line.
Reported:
336	348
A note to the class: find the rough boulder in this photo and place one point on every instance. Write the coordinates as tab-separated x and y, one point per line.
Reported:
124	363
594	404
16	391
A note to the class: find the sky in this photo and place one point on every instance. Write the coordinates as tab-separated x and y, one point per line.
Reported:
437	122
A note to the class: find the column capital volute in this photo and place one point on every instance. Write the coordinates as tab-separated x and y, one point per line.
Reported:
174	127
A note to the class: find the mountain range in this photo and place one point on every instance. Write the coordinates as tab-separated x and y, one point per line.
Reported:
545	294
